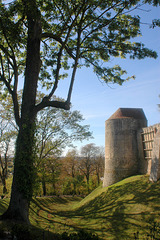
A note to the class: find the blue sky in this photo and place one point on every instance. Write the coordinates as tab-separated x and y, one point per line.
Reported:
97	101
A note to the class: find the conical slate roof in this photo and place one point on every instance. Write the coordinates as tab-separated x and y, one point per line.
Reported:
136	113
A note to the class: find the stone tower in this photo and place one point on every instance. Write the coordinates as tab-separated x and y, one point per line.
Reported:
121	144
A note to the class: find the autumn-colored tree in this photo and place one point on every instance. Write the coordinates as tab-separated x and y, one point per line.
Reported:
71	168
71	163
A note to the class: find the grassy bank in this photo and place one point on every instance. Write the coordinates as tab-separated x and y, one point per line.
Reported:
116	212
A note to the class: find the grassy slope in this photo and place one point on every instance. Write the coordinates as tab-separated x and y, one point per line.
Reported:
123	208
115	212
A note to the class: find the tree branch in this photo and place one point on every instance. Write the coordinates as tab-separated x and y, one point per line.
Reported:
102	25
8	84
16	107
58	39
46	103
90	23
75	67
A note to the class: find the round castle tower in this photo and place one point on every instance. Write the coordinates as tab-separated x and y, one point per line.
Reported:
121	145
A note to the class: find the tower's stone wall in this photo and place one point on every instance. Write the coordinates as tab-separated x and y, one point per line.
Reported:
124	155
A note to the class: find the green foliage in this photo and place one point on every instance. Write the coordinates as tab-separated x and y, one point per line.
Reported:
79	236
92	31
155	23
75	186
8	134
154	2
56	129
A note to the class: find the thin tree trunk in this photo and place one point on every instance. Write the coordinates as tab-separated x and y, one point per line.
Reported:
3	173
87	177
54	185
98	178
44	187
4	186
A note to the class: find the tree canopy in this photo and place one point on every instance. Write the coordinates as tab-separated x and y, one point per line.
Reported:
72	34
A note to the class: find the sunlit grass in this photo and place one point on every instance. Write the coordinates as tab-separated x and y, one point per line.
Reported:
8	184
116	212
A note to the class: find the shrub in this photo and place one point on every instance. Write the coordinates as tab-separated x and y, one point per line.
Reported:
79	236
25	232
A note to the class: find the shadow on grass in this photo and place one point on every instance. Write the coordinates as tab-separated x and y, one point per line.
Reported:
3	205
123	209
115	214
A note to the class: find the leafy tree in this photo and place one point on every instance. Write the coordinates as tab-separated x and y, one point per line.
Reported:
7	136
88	165
56	129
40	40
71	169
88	154
49	170
92	162
5	145
71	163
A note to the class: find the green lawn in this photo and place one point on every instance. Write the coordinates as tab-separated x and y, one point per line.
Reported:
116	212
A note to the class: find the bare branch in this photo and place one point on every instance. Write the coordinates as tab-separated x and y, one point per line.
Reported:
46	103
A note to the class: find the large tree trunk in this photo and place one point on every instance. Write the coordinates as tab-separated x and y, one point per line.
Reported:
23	177
24	156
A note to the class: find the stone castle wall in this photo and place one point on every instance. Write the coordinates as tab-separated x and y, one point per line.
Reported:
153	169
